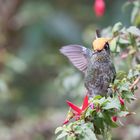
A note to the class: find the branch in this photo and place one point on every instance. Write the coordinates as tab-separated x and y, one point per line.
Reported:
134	83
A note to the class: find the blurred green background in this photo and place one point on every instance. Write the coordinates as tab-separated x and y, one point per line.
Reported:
35	79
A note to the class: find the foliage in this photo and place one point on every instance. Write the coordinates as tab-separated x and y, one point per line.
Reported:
98	120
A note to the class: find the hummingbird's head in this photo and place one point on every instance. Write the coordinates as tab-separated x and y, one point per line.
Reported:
100	44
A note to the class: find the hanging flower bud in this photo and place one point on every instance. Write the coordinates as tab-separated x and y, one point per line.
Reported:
66	121
99	7
121	100
114	118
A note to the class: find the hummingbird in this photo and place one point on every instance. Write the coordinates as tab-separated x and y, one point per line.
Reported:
96	64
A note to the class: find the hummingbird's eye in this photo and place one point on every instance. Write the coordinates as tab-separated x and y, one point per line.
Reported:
106	46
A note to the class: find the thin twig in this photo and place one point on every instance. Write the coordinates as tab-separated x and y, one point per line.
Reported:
134	83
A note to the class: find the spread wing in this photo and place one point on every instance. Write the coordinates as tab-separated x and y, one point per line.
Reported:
78	55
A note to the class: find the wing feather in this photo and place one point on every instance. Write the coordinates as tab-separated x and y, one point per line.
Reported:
78	55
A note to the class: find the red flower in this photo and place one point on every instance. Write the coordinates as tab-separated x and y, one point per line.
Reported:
77	110
121	100
114	118
99	7
66	121
70	115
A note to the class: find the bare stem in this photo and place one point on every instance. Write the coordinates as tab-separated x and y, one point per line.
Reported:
134	83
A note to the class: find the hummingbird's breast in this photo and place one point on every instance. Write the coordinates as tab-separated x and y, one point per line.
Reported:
99	74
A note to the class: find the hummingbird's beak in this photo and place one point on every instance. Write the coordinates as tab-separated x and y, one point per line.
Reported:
98	34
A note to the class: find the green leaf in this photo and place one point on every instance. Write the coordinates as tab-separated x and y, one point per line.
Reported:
89	112
130	74
134	14
134	30
128	95
113	103
98	122
107	134
89	125
124	41
88	132
124	86
62	135
97	97
133	73
126	5
107	119
58	129
113	45
71	138
100	115
120	75
138	67
123	113
117	27
114	125
136	73
102	101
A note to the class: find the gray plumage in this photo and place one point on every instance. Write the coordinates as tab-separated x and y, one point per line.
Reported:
99	74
